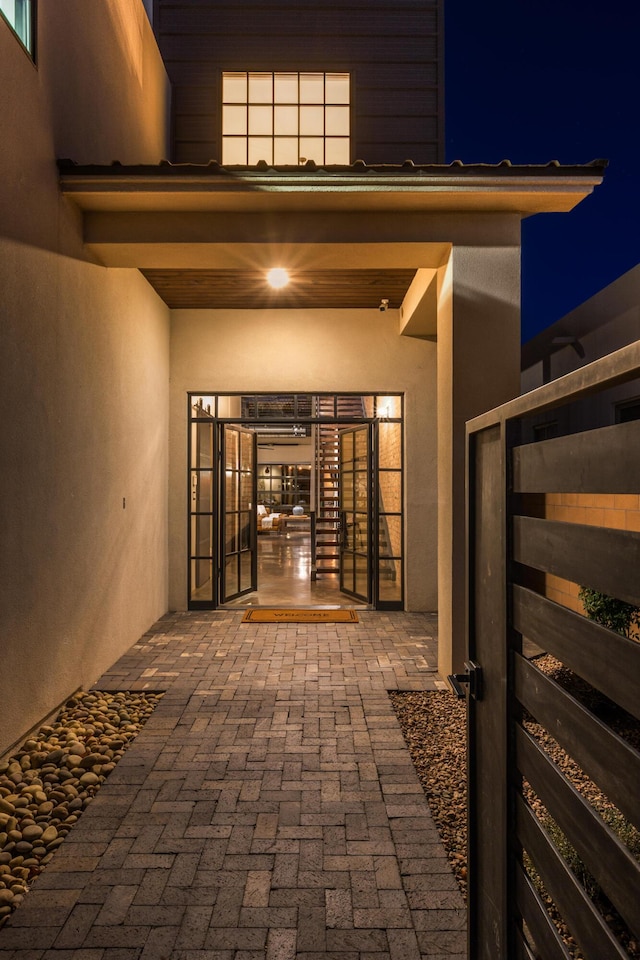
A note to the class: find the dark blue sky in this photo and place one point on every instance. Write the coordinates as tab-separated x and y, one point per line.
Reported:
553	80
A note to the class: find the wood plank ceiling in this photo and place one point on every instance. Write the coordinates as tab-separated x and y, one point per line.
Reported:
248	289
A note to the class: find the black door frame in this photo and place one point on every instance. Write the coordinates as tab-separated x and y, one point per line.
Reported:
222	429
372	515
250	421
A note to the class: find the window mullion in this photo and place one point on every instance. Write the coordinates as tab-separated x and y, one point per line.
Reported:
322	138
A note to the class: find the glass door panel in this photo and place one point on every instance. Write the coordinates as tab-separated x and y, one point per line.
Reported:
355	510
390	512
201	512
238	541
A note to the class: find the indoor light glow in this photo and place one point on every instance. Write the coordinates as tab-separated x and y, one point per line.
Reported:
278	278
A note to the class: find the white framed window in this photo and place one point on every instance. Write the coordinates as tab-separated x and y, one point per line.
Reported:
285	118
19	16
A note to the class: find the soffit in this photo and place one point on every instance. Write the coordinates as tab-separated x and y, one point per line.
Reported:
203	235
312	289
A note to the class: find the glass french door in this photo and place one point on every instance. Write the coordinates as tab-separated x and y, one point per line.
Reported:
238	555
201	512
355	512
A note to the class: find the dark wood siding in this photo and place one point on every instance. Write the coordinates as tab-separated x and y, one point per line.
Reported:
391	50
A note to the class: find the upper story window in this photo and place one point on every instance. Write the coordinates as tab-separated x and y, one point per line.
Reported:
19	16
285	118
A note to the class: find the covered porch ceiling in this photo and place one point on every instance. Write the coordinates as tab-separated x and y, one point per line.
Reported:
310	289
204	236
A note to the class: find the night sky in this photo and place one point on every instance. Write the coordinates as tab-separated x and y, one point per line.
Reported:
553	80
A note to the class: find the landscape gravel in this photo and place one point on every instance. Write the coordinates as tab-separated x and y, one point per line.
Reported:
434	726
53	777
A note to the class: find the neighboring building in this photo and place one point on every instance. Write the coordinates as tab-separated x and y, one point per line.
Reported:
601	325
606	322
138	334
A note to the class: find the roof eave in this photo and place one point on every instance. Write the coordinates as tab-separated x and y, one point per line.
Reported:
476	187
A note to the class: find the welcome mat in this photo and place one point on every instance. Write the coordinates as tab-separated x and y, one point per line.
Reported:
299	616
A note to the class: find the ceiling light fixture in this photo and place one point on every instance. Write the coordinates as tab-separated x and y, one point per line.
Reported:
278	278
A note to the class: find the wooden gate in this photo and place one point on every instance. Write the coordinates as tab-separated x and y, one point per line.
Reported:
532	834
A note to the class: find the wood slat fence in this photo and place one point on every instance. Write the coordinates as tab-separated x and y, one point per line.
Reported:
517	864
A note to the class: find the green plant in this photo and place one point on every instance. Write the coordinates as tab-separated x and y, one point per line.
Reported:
615	614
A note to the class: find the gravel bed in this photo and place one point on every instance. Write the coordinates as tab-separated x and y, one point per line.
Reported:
434	727
53	777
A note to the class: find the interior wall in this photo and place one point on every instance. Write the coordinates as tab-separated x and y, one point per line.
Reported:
302	452
305	351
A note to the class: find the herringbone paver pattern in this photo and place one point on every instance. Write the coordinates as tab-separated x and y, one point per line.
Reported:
269	808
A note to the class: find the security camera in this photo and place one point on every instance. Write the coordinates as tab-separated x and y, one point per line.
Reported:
384	305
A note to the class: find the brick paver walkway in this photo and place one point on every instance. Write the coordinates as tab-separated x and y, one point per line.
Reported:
268	809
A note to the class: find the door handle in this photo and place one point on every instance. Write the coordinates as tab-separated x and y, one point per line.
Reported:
471	679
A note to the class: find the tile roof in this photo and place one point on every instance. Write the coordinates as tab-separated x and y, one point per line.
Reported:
409	168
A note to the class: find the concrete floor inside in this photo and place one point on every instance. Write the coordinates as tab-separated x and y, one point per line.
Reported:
284	576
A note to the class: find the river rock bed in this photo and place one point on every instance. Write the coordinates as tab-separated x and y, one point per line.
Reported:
54	776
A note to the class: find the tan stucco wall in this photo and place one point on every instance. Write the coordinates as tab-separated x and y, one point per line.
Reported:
97	93
85	367
84	422
478	357
308	351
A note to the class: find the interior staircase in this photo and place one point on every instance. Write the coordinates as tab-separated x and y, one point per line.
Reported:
327	471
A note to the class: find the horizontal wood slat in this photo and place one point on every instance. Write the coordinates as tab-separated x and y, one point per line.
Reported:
278	7
607	859
548	942
584	921
606	460
604	756
319	52
597	557
603	559
606	660
345	22
237	289
384	100
412	78
522	950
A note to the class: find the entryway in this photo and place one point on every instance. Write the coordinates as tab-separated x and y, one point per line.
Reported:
296	499
284	576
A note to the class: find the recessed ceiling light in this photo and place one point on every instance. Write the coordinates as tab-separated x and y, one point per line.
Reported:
278	278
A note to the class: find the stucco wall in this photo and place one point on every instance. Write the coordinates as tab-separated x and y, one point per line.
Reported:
84	425
478	354
307	351
85	366
97	93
